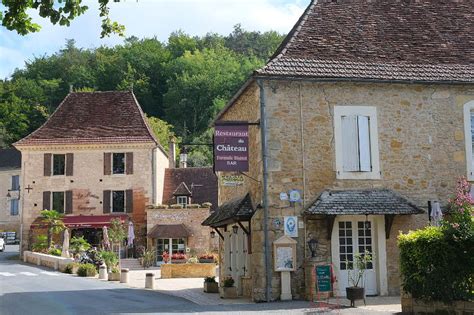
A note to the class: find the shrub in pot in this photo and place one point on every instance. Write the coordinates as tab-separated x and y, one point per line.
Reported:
355	272
86	270
228	291
114	274
210	285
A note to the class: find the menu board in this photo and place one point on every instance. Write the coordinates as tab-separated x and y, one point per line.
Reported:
323	278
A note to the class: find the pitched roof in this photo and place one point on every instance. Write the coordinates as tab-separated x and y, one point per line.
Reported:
237	209
182	190
169	231
423	40
10	159
375	201
94	117
201	182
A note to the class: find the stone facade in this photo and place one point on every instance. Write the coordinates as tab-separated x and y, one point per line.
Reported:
199	241
88	181
9	222
421	154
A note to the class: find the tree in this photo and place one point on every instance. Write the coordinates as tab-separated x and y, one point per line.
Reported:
16	15
53	220
161	129
117	231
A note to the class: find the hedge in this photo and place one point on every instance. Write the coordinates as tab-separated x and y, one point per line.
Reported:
436	265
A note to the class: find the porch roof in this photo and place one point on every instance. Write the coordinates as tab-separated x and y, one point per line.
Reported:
238	209
366	202
169	231
83	221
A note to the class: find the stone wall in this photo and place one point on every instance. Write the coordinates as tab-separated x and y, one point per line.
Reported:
200	241
88	181
416	306
421	145
8	222
187	270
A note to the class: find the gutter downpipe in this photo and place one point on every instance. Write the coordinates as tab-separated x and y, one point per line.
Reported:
267	254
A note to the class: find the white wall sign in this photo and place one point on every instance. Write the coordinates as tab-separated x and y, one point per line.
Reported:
283	196
295	195
291	226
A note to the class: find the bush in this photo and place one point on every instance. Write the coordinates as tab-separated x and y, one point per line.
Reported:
41	244
78	245
148	259
55	252
86	270
210	279
436	266
228	282
110	259
70	268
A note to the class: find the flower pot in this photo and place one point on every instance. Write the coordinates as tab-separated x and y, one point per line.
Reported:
114	276
178	261
206	261
211	287
355	293
228	292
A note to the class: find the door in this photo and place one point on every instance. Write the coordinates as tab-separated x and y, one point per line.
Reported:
352	236
169	245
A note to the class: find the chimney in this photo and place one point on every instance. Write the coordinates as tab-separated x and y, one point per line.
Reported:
172	152
183	158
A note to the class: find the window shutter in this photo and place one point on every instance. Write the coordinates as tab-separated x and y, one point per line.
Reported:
46	200
364	144
106	201
129	163
107	163
68	202
69	164
350	144
47	164
129	201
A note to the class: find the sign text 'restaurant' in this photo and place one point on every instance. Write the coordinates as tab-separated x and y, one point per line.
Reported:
231	148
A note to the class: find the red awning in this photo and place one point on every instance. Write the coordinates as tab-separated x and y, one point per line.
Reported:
91	221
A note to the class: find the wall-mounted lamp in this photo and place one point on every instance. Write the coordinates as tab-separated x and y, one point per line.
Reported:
213	234
367	222
235	229
313	245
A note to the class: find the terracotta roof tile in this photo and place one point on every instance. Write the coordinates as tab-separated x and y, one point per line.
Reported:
93	117
423	40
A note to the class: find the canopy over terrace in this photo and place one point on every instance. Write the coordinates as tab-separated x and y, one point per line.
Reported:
83	221
361	202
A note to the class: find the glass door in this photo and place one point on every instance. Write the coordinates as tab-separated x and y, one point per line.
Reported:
162	245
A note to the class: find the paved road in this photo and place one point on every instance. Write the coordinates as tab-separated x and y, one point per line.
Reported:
27	289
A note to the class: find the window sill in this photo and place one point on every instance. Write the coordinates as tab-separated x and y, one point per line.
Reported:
358	175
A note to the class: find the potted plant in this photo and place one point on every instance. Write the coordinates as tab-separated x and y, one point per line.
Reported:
114	274
356	273
210	285
206	258
228	291
178	258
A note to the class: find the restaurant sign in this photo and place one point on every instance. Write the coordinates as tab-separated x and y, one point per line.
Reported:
231	144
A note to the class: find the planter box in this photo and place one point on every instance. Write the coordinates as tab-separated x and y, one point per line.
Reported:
211	287
179	261
355	293
228	292
187	271
114	276
206	261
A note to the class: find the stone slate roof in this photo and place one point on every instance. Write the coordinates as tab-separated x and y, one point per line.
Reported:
10	159
376	201
423	40
182	190
169	231
94	117
201	183
237	209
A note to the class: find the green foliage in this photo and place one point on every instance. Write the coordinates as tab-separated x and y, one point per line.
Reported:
148	259
55	252
161	129
193	260
54	221
78	245
356	270
70	267
86	270
41	244
210	279
117	231
110	259
229	282
17	15
436	266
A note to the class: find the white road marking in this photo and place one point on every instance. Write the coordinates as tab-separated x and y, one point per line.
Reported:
7	274
50	273
26	273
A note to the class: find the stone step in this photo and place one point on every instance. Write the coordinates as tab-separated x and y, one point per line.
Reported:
132	264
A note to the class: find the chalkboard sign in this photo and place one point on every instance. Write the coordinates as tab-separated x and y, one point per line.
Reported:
323	278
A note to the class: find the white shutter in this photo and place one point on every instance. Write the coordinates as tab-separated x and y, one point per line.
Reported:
364	144
350	144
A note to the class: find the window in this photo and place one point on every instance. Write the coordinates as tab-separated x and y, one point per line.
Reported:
59	164
58	201
469	137
14	206
356	138
118	201
16	182
118	163
182	200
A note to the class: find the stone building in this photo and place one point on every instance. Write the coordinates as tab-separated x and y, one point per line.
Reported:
365	114
94	159
10	205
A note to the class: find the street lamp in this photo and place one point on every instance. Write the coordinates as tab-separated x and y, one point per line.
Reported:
235	229
312	245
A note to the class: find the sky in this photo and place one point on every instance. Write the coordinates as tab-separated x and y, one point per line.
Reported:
148	18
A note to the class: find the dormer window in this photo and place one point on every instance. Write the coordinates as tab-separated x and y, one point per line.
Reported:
182	200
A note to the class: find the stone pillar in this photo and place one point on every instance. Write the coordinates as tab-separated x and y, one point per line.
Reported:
103	272
124	276
150	281
285	286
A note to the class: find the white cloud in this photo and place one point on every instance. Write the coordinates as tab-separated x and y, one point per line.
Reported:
147	18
